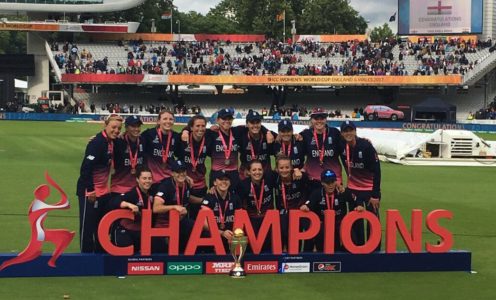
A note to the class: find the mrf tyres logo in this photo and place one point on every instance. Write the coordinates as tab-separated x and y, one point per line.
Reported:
184	268
219	267
327	267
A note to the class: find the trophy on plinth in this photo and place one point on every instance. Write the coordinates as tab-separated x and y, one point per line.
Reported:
238	250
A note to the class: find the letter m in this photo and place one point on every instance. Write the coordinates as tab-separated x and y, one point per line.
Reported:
271	220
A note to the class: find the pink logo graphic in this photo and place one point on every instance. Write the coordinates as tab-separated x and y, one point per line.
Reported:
38	211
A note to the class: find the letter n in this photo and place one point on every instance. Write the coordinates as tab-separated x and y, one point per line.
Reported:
394	223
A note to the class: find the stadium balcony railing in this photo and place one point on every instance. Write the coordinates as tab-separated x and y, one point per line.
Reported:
487	63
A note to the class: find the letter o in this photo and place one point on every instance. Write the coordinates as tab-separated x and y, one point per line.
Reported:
375	232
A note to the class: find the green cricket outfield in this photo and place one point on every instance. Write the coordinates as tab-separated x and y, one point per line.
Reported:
27	149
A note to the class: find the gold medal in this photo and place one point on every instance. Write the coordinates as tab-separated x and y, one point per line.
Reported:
222	226
227	162
133	171
259	213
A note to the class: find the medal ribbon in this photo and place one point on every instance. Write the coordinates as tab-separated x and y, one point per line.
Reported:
222	213
330	204
252	149
286	151
180	198
165	154
321	149
140	197
348	154
133	158
258	200
110	148
284	201
194	161
227	150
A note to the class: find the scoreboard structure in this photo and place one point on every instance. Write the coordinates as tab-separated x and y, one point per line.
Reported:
432	17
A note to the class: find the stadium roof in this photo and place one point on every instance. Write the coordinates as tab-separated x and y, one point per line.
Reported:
67	6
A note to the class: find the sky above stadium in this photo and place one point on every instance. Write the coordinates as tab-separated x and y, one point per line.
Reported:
374	11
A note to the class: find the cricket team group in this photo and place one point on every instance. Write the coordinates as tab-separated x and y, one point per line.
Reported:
320	168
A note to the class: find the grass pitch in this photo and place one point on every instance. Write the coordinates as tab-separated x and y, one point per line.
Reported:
27	149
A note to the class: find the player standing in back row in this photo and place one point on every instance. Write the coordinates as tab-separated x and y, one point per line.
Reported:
322	148
364	176
93	185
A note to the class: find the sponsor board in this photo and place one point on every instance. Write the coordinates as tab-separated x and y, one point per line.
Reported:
145	268
221	267
295	267
261	267
326	267
183	268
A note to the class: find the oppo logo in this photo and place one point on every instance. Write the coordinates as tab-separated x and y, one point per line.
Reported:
184	268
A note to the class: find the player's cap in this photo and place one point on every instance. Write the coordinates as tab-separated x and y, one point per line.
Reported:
318	112
328	176
348	124
225	113
253	116
133	121
220	175
285	125
177	165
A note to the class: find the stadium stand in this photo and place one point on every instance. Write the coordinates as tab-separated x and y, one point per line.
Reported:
271	57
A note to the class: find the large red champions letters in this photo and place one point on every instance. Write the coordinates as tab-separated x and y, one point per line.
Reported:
271	223
205	215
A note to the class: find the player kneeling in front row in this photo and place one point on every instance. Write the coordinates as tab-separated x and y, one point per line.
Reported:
127	232
223	202
173	194
257	196
327	198
291	191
